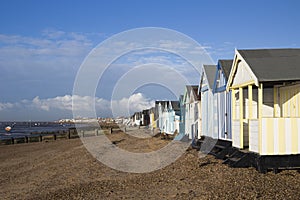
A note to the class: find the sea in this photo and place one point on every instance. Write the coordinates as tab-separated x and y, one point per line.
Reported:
21	129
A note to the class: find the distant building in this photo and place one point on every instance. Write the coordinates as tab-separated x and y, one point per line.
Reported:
192	117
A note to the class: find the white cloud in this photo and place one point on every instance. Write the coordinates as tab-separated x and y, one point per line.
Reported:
127	106
4	106
59	102
52	50
136	102
48	63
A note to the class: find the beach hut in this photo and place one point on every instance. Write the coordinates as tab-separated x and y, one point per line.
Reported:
192	117
182	117
209	118
158	114
265	88
137	118
152	117
145	120
169	116
223	99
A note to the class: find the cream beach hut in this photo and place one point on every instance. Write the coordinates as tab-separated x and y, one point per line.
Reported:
265	88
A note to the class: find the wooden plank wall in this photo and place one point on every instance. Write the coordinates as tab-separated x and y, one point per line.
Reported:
280	136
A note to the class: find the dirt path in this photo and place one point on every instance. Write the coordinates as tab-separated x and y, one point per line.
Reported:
65	170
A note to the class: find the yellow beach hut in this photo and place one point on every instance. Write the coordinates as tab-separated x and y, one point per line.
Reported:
265	87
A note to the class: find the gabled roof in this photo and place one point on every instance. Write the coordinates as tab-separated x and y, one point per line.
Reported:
273	64
194	89
161	102
175	104
210	72
181	99
190	87
152	110
225	65
146	111
187	92
195	92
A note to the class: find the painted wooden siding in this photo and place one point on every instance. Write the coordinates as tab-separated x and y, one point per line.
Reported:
160	117
223	107
209	115
268	102
192	121
188	119
221	114
182	118
240	140
224	115
177	123
215	122
254	135
241	137
169	126
236	134
254	104
204	113
290	101
198	122
243	75
280	136
152	120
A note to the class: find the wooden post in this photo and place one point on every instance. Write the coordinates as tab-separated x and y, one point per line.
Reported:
233	101
12	140
260	100
241	117
250	116
40	138
69	134
260	109
26	139
96	132
54	136
276	102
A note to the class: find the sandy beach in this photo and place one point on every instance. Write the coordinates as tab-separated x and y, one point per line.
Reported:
64	169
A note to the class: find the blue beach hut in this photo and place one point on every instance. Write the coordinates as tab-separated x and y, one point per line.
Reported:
223	99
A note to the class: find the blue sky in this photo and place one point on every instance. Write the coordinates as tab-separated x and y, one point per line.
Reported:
43	43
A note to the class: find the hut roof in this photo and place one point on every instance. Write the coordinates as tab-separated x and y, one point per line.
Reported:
273	64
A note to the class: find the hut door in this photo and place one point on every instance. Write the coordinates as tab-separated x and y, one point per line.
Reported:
196	130
192	131
290	101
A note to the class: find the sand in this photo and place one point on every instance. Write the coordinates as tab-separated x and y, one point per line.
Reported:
64	169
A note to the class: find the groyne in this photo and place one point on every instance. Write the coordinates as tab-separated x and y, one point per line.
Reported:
71	133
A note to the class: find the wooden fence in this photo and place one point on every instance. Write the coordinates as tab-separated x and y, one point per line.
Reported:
67	134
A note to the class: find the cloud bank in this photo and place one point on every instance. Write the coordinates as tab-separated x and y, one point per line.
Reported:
61	106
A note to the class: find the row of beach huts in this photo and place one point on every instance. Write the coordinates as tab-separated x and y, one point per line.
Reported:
247	107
